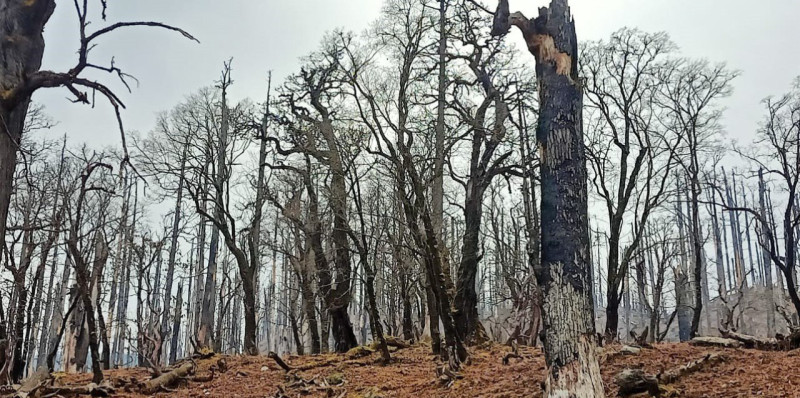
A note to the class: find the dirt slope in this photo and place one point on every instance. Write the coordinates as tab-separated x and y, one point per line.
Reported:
744	373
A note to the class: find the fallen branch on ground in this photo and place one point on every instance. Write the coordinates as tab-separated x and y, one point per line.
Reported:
513	354
95	390
635	381
167	379
39	384
779	343
625	350
279	361
510	355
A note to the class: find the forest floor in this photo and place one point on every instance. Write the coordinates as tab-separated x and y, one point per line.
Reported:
743	373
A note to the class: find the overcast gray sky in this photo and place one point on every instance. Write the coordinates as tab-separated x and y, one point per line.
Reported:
756	37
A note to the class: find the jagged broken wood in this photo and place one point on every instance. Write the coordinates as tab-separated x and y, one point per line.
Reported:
641	339
635	381
564	273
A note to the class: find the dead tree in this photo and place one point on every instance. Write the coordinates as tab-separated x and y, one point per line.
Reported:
308	98
22	24
629	155
83	274
396	148
689	96
486	129
775	153
565	272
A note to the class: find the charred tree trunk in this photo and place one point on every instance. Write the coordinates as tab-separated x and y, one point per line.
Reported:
173	249
466	297
21	27
767	261
176	326
565	271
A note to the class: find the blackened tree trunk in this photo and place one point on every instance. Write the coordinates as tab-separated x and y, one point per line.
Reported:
466	297
697	243
565	271
720	261
83	275
176	326
21	26
766	260
173	249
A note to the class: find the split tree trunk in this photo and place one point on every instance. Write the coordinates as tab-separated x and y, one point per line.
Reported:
565	271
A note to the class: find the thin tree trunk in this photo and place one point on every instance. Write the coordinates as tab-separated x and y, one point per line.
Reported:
762	190
176	326
173	249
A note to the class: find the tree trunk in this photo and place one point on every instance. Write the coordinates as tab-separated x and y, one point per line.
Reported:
762	189
176	326
83	289
173	249
682	285
466	297
21	25
565	271
437	190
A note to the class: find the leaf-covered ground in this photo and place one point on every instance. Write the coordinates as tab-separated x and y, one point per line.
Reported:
744	373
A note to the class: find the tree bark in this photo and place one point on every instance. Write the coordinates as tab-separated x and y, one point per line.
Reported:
173	249
766	260
565	271
21	49
176	326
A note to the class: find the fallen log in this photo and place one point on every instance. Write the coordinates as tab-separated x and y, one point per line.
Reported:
92	389
624	350
635	381
711	341
167	379
395	342
779	343
751	341
790	342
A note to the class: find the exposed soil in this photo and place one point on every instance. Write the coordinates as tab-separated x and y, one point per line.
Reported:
744	373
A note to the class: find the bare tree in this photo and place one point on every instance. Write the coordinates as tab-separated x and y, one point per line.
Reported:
629	155
20	76
565	272
690	95
777	153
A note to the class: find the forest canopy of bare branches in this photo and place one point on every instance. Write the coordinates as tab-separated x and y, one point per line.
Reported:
422	181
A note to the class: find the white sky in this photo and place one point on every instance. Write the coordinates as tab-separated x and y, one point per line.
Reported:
755	37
